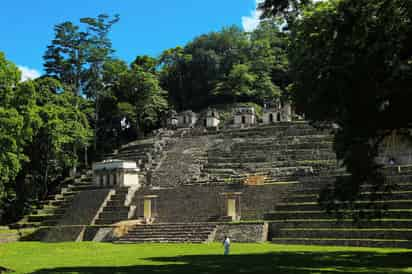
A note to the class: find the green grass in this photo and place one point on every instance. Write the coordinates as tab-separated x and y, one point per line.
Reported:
90	258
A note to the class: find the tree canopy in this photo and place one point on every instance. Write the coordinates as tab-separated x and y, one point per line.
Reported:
227	66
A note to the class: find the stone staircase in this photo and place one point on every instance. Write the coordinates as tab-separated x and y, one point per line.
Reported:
115	209
300	220
182	163
284	152
170	233
146	153
49	211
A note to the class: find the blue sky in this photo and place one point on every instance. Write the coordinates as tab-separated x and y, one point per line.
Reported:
146	27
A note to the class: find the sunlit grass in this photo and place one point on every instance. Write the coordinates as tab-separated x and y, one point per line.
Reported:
89	257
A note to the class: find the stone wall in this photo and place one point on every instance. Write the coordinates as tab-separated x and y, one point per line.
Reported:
201	203
58	234
242	232
84	207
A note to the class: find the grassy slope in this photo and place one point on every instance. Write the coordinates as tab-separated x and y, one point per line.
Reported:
90	257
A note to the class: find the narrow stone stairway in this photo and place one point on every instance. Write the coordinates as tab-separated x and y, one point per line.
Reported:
115	209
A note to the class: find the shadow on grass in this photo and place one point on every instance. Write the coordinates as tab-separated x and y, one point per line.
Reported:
277	263
4	270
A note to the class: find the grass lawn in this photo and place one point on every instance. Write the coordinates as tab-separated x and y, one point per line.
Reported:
88	257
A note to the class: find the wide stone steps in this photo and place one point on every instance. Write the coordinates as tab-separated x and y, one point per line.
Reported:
397	195
313	206
277	147
286	215
273	131
169	233
316	138
344	242
334	223
314	188
160	240
122	215
345	233
268	165
286	153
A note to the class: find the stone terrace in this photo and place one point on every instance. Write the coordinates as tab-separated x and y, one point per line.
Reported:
283	152
300	220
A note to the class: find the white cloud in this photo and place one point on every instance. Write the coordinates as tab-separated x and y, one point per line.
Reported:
28	73
251	22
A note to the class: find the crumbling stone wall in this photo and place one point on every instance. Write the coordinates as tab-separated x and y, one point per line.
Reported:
242	232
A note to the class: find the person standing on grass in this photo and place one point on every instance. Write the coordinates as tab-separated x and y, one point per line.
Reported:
226	245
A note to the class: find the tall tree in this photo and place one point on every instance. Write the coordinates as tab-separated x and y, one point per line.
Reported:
76	57
175	75
66	57
99	51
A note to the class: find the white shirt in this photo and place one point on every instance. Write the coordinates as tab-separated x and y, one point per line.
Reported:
226	243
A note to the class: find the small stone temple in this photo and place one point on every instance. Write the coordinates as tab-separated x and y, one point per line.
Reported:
116	173
274	112
186	119
171	120
244	116
212	118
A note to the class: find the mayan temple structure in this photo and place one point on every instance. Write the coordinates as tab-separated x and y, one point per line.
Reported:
201	177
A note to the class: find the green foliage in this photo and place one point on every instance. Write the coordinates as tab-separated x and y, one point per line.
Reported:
288	10
41	123
9	76
238	84
13	129
142	91
225	67
10	134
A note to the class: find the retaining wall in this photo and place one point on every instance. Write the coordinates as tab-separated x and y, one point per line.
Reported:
208	203
242	232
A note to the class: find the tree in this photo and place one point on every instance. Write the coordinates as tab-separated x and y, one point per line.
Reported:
143	92
351	65
65	58
288	10
175	73
63	127
76	58
40	124
238	84
269	60
12	124
99	51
